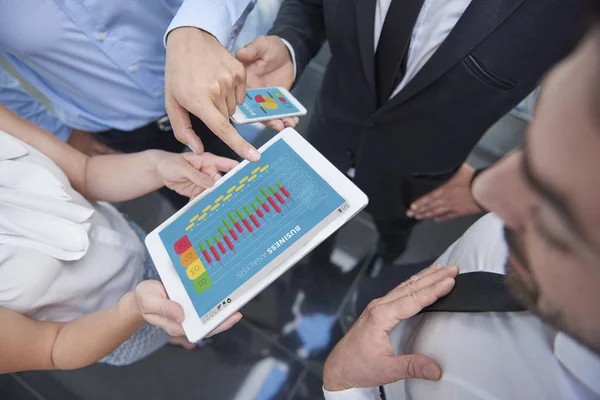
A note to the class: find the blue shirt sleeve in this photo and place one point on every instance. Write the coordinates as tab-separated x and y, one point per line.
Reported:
220	18
16	99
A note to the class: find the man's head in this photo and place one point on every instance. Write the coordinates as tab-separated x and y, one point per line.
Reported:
548	195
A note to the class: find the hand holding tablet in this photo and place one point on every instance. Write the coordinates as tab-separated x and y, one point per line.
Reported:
232	241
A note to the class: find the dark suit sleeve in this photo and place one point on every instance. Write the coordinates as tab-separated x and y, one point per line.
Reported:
301	23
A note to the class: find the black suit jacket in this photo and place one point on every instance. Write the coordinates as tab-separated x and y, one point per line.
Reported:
492	59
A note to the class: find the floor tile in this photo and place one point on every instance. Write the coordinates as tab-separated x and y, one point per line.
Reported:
12	389
236	365
300	310
309	387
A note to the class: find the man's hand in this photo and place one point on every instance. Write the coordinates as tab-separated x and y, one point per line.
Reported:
88	144
365	357
269	64
189	174
155	308
451	200
203	78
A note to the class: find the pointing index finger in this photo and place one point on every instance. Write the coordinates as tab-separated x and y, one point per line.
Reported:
221	127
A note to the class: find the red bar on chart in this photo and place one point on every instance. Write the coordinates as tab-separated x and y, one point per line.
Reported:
263	204
236	223
205	253
226	239
244	221
213	250
219	243
251	216
258	212
230	229
277	195
284	190
270	200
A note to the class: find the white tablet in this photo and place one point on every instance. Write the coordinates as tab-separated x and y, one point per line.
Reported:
227	245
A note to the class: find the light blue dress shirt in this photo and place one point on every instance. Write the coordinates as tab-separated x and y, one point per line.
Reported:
100	63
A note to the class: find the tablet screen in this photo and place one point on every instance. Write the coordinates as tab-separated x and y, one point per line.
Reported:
243	225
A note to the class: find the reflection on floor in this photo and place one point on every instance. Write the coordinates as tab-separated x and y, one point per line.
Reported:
278	349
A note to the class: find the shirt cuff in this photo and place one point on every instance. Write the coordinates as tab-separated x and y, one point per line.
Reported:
292	54
216	17
353	394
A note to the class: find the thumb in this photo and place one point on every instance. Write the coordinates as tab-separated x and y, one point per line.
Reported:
248	54
199	178
417	366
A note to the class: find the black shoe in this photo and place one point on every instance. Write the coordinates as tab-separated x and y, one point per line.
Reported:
383	258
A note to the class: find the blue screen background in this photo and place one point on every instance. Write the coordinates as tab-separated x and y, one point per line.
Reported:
311	200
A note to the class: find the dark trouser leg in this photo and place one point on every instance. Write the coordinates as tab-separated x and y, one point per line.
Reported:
322	253
212	143
393	237
148	137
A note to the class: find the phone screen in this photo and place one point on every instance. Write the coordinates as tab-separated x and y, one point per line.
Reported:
266	102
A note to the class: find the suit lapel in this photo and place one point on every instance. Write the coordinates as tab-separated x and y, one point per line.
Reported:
365	21
479	20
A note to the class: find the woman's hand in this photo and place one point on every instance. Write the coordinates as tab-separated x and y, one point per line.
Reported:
189	174
155	308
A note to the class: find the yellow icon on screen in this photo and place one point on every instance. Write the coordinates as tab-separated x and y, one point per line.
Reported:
266	102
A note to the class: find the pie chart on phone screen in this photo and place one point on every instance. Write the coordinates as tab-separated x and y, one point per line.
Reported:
265	102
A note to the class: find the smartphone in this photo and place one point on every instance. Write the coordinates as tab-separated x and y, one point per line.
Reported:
267	103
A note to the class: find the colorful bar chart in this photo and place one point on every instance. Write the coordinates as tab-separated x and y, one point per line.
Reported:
234	232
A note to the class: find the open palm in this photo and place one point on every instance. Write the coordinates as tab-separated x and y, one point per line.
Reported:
268	63
189	174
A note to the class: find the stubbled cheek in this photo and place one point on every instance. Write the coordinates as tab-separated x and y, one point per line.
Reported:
550	272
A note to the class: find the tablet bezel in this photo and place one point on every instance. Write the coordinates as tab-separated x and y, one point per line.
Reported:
194	328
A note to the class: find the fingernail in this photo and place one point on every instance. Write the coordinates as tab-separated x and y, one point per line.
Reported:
253	154
410	214
191	146
216	177
432	373
413	206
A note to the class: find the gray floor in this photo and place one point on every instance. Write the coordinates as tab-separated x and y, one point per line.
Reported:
259	359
